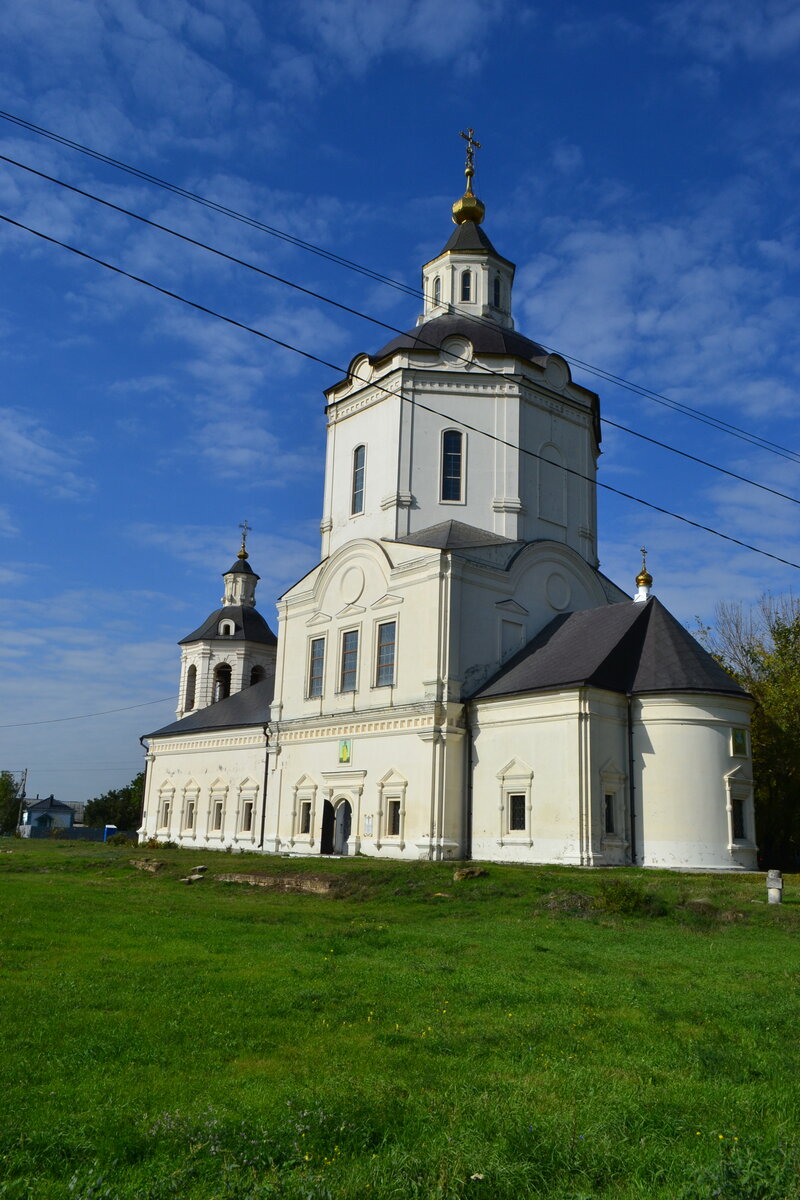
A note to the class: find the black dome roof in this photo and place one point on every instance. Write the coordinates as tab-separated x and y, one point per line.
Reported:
486	337
248	626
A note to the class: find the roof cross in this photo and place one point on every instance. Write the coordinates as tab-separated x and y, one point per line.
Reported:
245	528
472	146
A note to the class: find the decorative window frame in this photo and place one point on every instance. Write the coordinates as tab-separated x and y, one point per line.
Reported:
166	808
437	291
218	794
463	479
247	794
317	637
739	788
191	795
377	626
303	792
391	787
341	691
226	628
515	778
613	782
466	283
361	491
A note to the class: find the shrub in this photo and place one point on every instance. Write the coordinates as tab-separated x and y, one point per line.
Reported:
628	899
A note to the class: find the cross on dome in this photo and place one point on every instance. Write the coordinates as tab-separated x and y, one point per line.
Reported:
469	207
245	528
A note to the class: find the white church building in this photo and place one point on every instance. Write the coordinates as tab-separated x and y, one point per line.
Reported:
456	678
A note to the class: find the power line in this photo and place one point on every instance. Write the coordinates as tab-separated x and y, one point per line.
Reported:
85	716
687	410
378	387
366	316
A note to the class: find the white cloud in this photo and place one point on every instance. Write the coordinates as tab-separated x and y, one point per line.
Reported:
39	457
721	30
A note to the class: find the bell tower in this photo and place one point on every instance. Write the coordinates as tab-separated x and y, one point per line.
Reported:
233	649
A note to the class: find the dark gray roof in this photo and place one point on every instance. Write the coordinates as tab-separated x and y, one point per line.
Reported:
241	567
486	337
471	237
453	535
48	804
248	626
248	707
630	648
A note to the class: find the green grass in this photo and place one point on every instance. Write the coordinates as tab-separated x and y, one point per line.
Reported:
534	1032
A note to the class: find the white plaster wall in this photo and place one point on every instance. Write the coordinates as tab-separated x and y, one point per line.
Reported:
229	765
682	751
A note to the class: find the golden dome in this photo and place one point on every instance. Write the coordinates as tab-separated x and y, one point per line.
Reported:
644	578
469	207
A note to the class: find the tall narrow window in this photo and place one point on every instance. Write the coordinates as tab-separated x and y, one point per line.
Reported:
359	460
393	818
247	816
349	671
316	666
516	811
191	688
452	462
737	812
496	292
387	638
437	290
609	814
466	285
216	816
190	811
305	816
166	807
222	682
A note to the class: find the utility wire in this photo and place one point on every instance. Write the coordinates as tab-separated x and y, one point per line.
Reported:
657	397
378	387
365	316
85	716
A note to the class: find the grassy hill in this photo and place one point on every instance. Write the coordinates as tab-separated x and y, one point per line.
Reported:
391	1032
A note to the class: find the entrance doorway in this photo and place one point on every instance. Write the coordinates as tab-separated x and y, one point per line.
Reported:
342	823
326	833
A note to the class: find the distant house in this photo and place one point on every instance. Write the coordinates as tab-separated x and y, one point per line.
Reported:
46	814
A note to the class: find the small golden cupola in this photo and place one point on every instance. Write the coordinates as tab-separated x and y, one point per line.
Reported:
469	207
644	580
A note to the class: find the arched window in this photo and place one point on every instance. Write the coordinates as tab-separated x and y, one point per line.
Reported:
496	293
466	285
359	464
257	675
222	682
452	465
437	290
226	629
191	689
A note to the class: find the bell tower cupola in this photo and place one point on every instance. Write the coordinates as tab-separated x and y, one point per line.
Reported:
241	579
469	276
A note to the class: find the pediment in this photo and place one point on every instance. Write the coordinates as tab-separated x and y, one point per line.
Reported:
393	778
511	606
351	610
517	768
319	618
389	600
305	781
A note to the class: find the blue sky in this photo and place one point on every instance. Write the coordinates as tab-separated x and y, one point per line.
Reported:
639	164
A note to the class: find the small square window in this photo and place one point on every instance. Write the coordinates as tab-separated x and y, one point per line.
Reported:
739	742
305	816
516	811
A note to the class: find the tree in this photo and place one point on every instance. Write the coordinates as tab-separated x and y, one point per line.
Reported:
761	649
9	801
121	806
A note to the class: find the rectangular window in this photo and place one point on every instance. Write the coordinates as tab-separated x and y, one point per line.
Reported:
349	671
393	819
737	812
247	816
609	822
516	811
216	816
452	442
739	743
165	809
189	824
305	816
316	666
387	637
359	463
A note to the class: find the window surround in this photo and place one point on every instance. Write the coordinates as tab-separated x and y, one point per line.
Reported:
739	742
385	667
191	798
165	799
216	810
611	804
515	780
315	680
304	800
391	810
358	480
445	481
437	290
466	286
350	646
739	811
226	629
